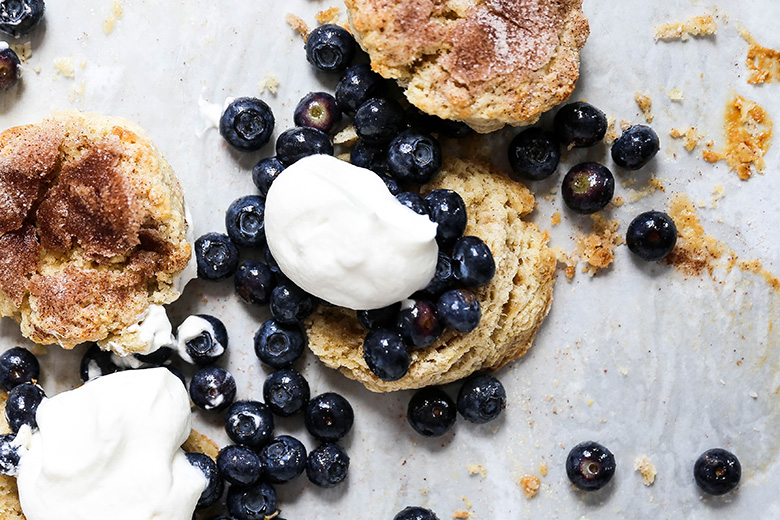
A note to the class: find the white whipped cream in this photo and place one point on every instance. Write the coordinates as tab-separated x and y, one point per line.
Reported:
154	330
190	329
111	449
337	232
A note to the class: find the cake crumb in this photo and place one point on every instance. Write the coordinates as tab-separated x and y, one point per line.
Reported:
676	94
689	135
116	14
348	136
466	502
475	469
625	125
618	201
597	249
612	134
763	64
695	251
718	192
645	105
653	185
23	50
555	219
270	83
695	26
297	25
64	67
530	485
77	92
543	469
460	515
569	261
328	16
646	469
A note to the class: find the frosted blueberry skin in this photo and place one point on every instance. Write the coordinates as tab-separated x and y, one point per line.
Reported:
254	282
21	405
96	361
717	471
431	412
327	465
588	187
245	221
296	143
579	125
286	392
472	262
247	124
10	68
414	157
278	345
18	365
216	256
9	455
359	84
249	423
534	154
651	235
318	110
265	172
214	486
379	120
370	156
458	309
590	466
415	513
255	502
447	209
481	399
636	147
329	417
213	388
239	465
386	354
283	459
330	48
19	17
289	304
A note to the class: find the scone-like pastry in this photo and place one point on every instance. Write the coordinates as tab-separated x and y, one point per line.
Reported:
92	230
485	62
513	304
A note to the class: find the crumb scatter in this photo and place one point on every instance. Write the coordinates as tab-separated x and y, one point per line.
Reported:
695	26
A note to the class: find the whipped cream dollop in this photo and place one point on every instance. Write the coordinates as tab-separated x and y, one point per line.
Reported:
111	449
153	330
337	232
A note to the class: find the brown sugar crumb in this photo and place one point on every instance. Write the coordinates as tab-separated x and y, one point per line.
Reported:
695	251
612	134
597	249
646	469
645	105
328	16
695	26
297	25
556	218
763	64
748	130
568	261
530	485
689	135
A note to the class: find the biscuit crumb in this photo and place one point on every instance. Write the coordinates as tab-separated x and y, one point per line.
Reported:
344	157
569	261
77	92
297	25
543	469
270	83
646	469
676	94
718	193
347	137
459	515
763	64
645	105
23	50
625	125
695	26
116	14
618	201
597	249
689	135
612	134
64	66
328	16
653	185
695	251
530	485
556	218
475	469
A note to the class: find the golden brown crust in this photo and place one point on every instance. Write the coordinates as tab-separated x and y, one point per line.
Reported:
485	62
513	304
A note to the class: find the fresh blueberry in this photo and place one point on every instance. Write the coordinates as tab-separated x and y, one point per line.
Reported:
202	338
284	458
590	466
433	124
213	388
302	141
18	365
256	502
318	110
379	318
636	147
448	211
327	465
431	412
415	513
19	17
481	399
265	172
651	235
254	282
286	392
717	471
458	309
413	201
370	156
588	187
10	66
472	262
157	358
329	417
270	261
216	256
239	465
442	278
279	345
418	324
378	120
247	123
215	484
414	157
359	84
250	423
392	185
330	48
9	455
245	220
290	304
386	354
580	124
95	363
21	405
534	154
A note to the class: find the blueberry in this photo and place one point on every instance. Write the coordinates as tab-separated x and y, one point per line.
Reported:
290	304
369	156
302	141
359	84
330	48
590	466
415	513
442	278
448	211
215	484
318	110
265	172
472	262
327	465
418	324
379	318
534	154
414	157
329	417
386	354
588	187
413	201
279	345
458	309
95	363
213	388
19	17
156	358
256	502
9	455
270	262
245	221
247	123
635	148
651	235
286	392
216	256
392	185
481	399
431	412
284	458
10	67
202	339
717	471
250	423
239	465
18	365
378	120
254	282
580	124
21	405
436	125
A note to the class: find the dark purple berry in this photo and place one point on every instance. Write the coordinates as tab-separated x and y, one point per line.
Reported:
588	187
216	256
22	404
95	363
418	324
414	157
327	465
278	345
534	154
431	412
10	66
247	123
413	201
386	354
256	502
265	172
318	110
283	459
19	17
415	513
370	156
447	209
590	466
18	365
330	48
651	235
286	392
717	471
580	124
245	221
472	262
379	120
299	142
254	282
636	147
239	465
359	84
458	309
250	423
213	388
329	417
379	318
214	483
481	399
